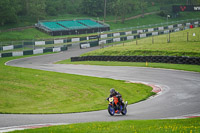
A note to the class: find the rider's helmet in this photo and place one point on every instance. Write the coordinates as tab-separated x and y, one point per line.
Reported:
112	91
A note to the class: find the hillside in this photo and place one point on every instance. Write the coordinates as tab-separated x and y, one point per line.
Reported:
178	46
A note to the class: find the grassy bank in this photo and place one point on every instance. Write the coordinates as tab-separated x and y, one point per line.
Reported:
34	91
158	45
178	46
136	126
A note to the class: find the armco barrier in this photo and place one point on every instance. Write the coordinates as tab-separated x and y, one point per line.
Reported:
28	52
6	54
29	43
94	43
48	50
36	51
153	59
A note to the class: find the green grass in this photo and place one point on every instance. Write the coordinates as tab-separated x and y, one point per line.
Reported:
147	20
178	46
27	34
25	90
194	68
130	126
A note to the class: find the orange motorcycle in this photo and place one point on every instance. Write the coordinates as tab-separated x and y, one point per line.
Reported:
114	106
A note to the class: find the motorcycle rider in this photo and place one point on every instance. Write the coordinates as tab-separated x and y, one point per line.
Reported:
117	94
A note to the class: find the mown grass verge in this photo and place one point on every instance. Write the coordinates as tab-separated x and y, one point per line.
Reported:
25	90
130	126
194	68
178	46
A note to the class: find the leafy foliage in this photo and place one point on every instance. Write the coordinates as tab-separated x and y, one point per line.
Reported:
7	11
12	10
93	7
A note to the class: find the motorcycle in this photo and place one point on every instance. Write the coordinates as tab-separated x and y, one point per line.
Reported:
114	107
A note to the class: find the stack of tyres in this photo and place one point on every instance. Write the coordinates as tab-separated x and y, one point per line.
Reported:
197	62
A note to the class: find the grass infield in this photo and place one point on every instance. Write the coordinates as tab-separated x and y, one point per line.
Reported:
24	90
194	68
131	126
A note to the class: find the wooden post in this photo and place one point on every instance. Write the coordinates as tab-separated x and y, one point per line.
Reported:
136	41
187	36
152	40
168	40
105	2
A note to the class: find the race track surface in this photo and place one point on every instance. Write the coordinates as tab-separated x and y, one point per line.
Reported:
180	96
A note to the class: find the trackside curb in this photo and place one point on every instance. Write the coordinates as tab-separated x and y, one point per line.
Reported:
156	88
32	126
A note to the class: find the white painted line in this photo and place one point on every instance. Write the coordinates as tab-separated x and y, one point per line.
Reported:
170	27
10	47
17	53
104	36
130	37
139	31
40	43
56	49
154	33
32	126
128	32
58	41
184	116
160	28
116	34
75	39
150	30
142	35
87	45
102	42
116	39
38	51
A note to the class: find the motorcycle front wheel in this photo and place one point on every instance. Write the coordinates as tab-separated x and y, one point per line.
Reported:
124	111
111	110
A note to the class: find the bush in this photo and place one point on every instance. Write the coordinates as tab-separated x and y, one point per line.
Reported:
162	14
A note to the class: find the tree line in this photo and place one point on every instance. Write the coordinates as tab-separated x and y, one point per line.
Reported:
12	10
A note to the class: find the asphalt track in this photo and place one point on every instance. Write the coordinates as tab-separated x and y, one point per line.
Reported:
179	98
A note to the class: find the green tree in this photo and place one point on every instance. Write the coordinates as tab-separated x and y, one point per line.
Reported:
195	2
52	7
8	13
142	4
93	7
36	9
125	7
115	8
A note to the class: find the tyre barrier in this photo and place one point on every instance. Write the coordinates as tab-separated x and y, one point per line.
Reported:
153	59
35	51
